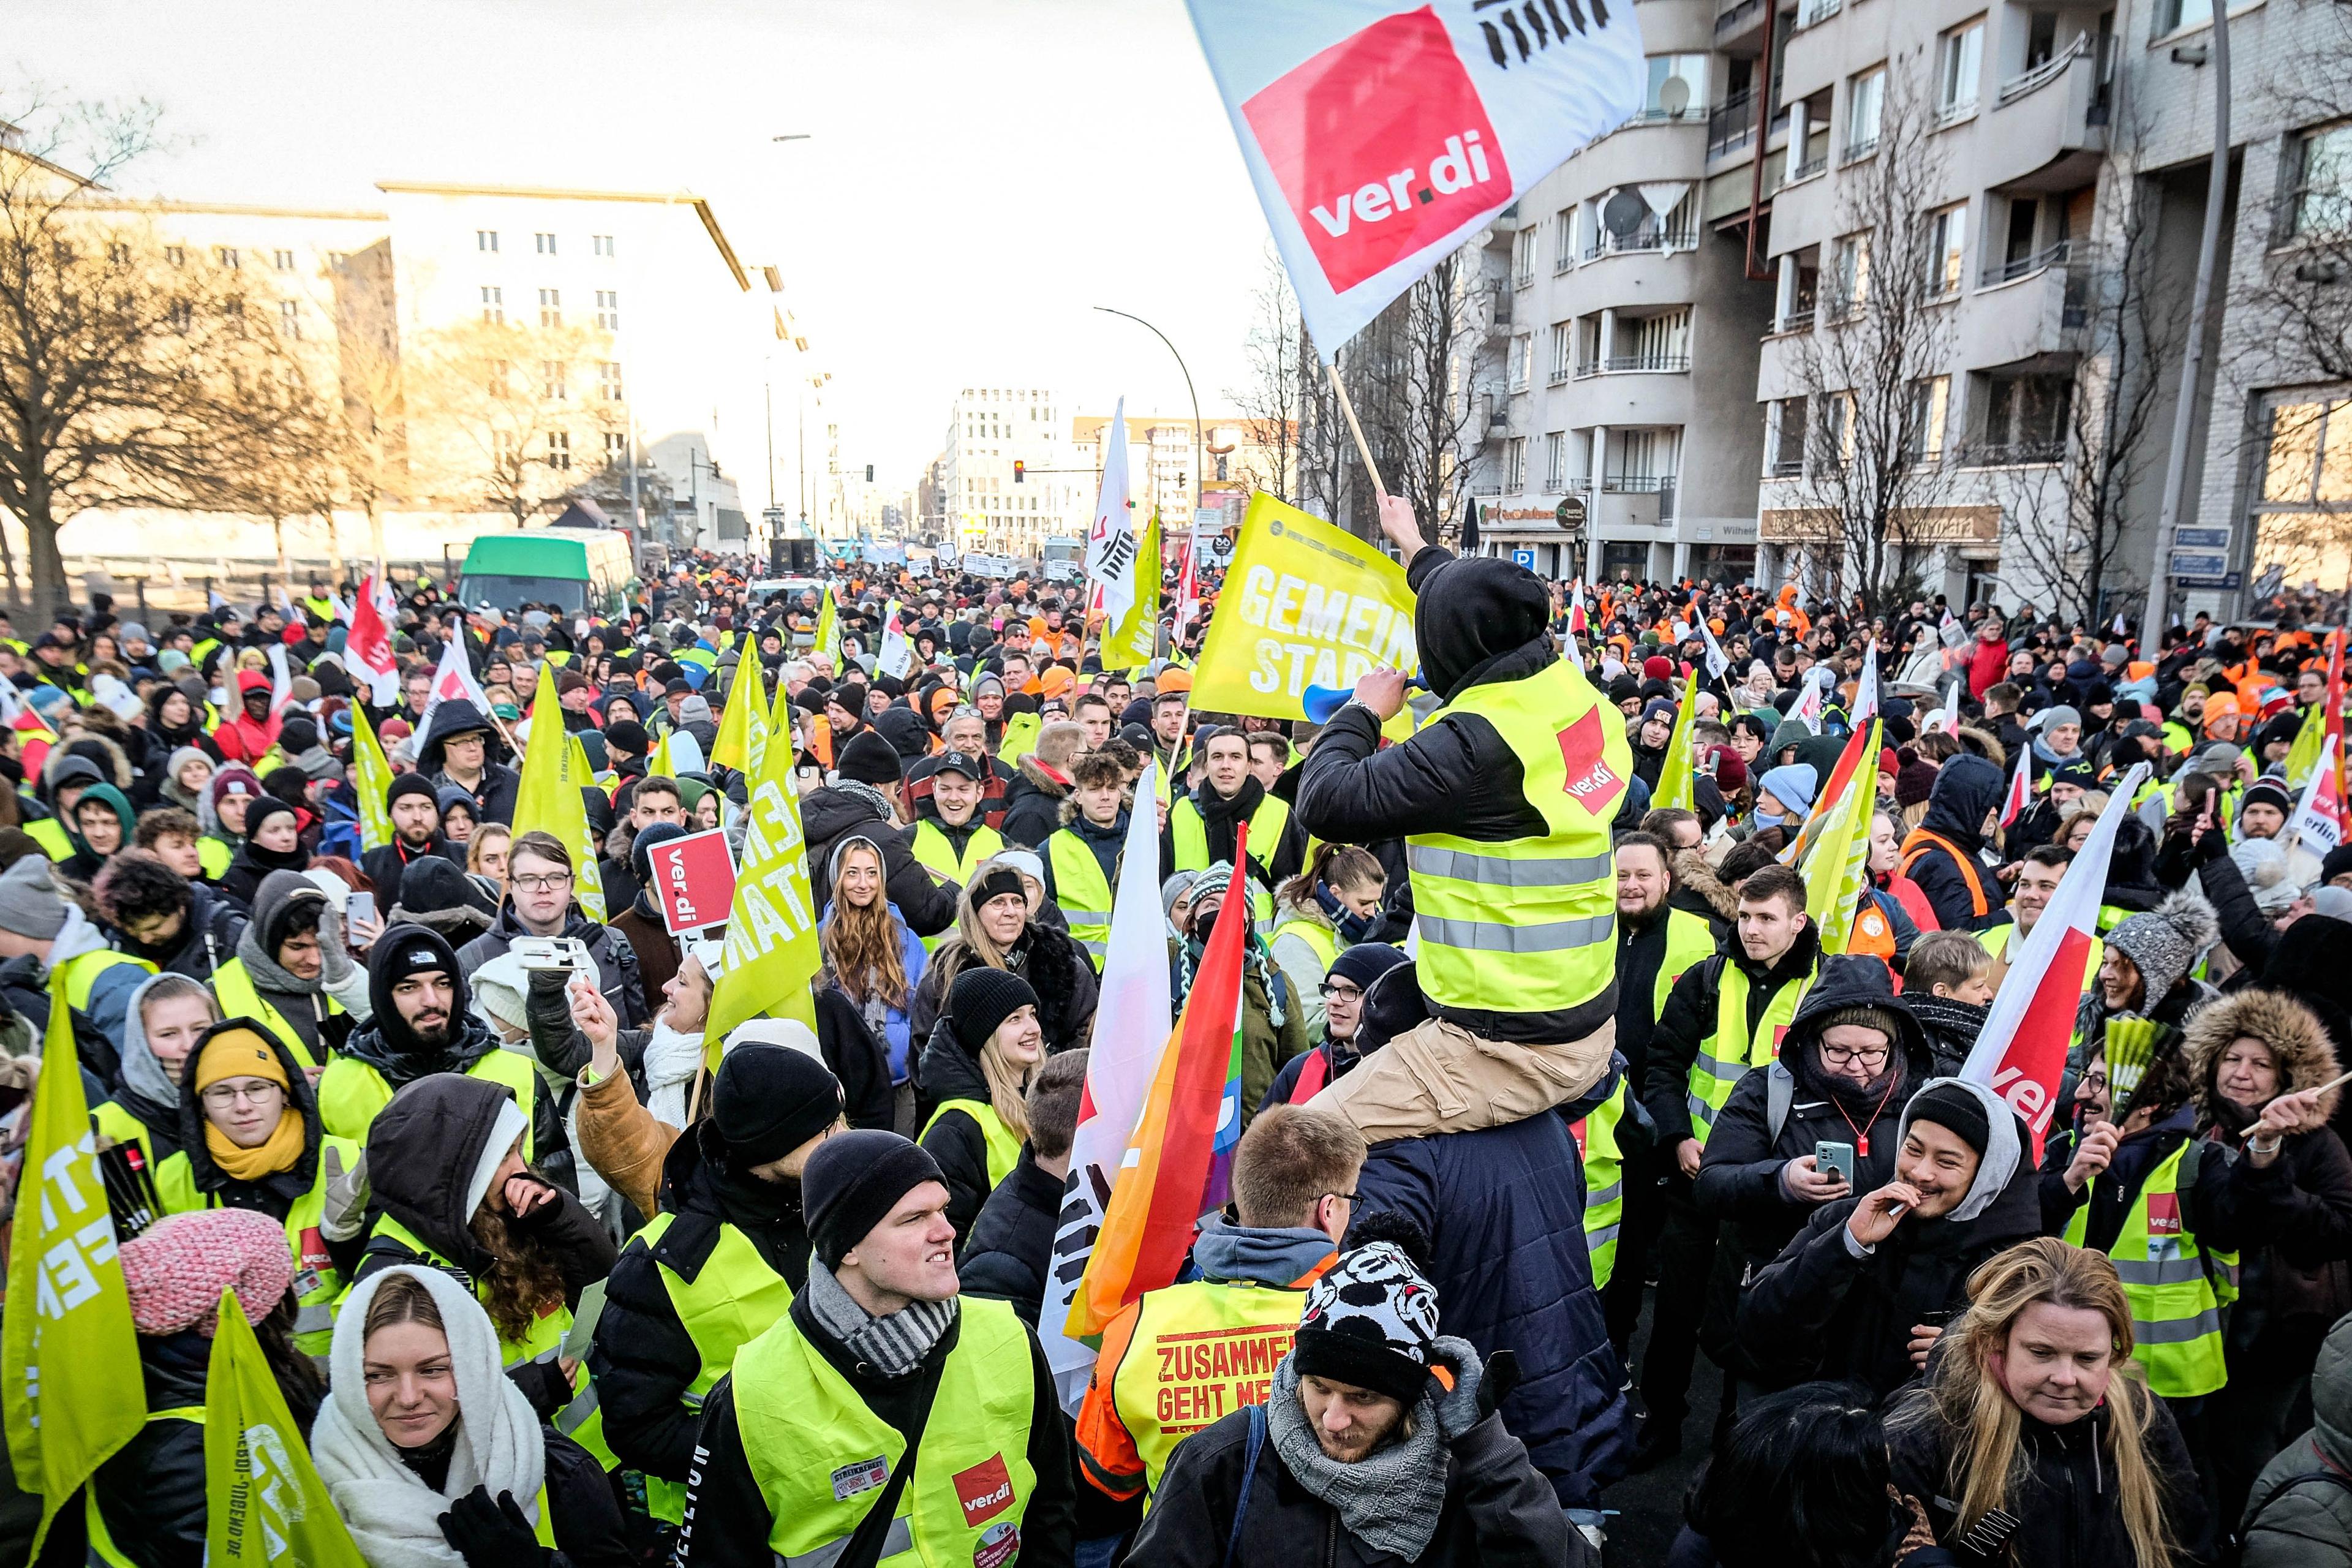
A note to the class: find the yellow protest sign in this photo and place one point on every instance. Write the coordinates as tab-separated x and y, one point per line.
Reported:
1305	604
771	952
371	781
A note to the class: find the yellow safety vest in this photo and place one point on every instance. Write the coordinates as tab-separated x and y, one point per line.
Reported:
1200	1351
1729	1051
81	973
1004	1148
1689	939
2175	1305
317	1286
111	1119
821	1458
1529	925
233	987
1317	935
212	857
935	851
50	835
351	1092
1604	1181
733	1300
1082	890
1191	834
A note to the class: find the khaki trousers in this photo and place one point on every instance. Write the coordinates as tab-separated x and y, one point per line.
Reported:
1441	1078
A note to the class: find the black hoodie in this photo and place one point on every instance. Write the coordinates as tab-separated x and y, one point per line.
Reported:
1968	787
387	1044
494	794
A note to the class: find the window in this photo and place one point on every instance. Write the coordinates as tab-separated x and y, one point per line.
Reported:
1931	399
1849	277
1677	88
1785	450
1564	247
1556	460
544	244
289	318
1866	97
486	239
1514	465
2320	202
2310	457
1948	244
601	243
616	446
608	380
175	255
1833	444
282	259
2171	15
1963	56
551	379
1563	350
496	382
1523	257
182	316
2026	417
119	253
558	450
226	256
608	309
1523	348
1660	343
550	307
494	304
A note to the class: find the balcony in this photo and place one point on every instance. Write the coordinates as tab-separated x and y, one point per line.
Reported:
1731	124
1793	322
1951	114
1785	468
1656	114
1635	365
2043	75
1736	20
1856	152
2002	272
2011	454
2030	310
1649	238
1818	12
2050	125
1561	375
1810	168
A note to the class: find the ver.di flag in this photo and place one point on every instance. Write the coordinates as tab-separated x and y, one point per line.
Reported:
555	770
2021	1050
772	952
453	678
1112	554
1132	1028
368	646
1381	137
896	654
371	781
68	1355
264	1502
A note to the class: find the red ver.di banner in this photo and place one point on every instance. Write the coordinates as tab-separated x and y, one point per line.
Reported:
693	881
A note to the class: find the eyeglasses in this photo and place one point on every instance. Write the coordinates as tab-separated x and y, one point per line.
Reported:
1352	1199
1340	993
1868	1055
548	883
221	1096
2096	1082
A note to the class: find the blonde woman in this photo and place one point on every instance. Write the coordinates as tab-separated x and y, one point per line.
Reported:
486	853
2035	1440
976	1070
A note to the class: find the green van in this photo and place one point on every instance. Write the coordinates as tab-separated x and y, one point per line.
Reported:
580	572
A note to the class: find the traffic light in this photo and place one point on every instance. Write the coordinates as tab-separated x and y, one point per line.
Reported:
869	473
1019	468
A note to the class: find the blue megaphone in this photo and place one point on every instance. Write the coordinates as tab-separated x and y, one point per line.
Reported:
1322	702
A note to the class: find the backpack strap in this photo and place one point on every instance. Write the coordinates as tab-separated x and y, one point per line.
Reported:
1780	1094
1251	1449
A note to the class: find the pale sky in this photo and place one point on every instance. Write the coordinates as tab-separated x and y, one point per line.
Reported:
980	174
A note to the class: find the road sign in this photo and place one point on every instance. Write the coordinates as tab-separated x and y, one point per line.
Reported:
1526	558
2185	564
774	517
2200	539
1569	513
2227	581
694	879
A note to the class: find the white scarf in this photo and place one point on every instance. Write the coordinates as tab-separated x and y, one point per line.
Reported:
672	1058
395	1518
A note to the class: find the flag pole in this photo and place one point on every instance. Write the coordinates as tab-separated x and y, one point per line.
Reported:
1362	448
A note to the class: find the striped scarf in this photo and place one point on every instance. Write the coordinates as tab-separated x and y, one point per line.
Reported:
894	1345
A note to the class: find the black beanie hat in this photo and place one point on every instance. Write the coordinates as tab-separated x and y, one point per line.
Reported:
2338	861
650	838
769	1099
853	1182
629	736
981	1000
1951	1105
1367	962
412	784
868	758
298	733
850	697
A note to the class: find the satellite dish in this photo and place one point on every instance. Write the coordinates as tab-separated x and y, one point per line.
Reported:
1674	96
1624	213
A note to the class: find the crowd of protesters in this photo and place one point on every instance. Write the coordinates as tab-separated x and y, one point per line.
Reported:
1548	1087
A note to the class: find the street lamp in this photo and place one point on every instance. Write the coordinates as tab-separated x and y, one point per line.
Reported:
1200	445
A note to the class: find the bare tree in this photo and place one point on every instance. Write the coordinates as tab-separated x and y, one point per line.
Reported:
1275	396
1868	370
1409	373
515	416
129	365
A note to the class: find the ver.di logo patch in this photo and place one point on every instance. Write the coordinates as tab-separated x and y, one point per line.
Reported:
985	1489
1582	746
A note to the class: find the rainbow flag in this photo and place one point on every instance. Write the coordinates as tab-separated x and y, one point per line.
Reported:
1180	1163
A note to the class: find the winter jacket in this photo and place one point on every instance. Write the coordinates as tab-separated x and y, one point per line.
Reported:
1033	806
955	1141
494	793
1498	1513
240	737
1012	1241
828	812
1055	967
2070	1513
206	939
1504	1207
895	1030
1952	1027
383	866
1688	1019
616	960
1824	1310
1967	787
2299	1515
644	1360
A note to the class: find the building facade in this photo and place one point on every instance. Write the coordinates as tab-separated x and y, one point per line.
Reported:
992	431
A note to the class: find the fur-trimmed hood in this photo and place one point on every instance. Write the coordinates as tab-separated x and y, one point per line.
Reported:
1694	875
2305	1058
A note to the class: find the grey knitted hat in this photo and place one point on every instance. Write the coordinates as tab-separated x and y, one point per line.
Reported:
30	904
2164	942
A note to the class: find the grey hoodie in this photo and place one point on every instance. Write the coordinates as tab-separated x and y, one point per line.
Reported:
1282	1256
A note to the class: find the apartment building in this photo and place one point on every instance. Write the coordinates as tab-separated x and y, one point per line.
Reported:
989	430
1620	440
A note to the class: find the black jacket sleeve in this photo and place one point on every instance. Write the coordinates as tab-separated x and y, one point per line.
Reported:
582	1246
1787	1306
622	987
2307	1195
152	1493
1673	1048
856	1059
1739	1176
956	1141
1457	775
2248	933
587	1517
1049	1524
644	1362
928	908
727	1518
1513	1512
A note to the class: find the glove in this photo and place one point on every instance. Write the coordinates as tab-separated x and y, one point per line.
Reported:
1457	1408
345	1209
492	1534
332	947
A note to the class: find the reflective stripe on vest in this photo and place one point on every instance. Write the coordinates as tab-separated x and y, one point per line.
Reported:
351	1092
1200	1351
1689	939
1726	1054
1529	925
233	987
821	1458
1971	869
1082	890
318	1288
2176	1316
732	1300
1604	1181
1004	1148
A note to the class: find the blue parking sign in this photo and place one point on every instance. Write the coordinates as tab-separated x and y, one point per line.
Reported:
1526	558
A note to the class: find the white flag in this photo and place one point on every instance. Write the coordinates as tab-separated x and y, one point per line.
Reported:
281	678
1380	139
1807	709
1717	661
1865	688
452	680
2318	823
1110	539
896	656
1132	1023
1949	719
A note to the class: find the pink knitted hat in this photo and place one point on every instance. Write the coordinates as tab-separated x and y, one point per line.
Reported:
175	1272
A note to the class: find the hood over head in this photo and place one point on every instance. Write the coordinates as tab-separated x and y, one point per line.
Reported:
430	1155
2004	1153
2298	1043
1471	611
453	718
1967	787
1850	981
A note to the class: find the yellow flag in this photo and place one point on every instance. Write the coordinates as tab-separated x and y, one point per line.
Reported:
1020	733
743	729
68	1355
264	1502
1837	864
658	765
371	781
1131	643
1677	785
828	626
555	770
2309	742
1305	604
771	943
